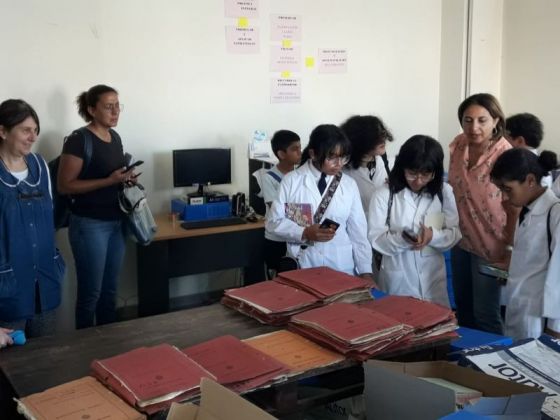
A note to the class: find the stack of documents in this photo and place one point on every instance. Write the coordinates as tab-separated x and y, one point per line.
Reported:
83	398
151	378
352	330
237	365
269	302
427	321
298	353
327	284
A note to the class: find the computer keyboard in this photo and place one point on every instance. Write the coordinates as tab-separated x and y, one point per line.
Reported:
199	224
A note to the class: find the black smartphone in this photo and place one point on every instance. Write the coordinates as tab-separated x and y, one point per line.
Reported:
328	223
133	165
410	235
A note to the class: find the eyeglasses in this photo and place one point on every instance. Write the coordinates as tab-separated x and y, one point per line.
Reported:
341	160
113	107
421	176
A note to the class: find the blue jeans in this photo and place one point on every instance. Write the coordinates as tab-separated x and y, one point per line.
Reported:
98	247
477	296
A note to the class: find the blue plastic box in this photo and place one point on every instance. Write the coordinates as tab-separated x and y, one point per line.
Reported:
470	338
207	211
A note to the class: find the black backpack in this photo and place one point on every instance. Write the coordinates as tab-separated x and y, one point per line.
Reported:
61	202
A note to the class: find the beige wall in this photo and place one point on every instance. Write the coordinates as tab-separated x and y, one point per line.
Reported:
531	63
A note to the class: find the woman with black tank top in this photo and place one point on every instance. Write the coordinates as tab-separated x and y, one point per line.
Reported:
91	170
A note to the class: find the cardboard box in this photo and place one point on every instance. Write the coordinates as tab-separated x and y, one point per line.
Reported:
394	391
217	403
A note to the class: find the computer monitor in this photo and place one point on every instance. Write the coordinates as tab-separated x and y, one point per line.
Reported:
201	167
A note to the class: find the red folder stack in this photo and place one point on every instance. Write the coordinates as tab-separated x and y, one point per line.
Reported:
352	330
428	321
327	284
269	302
151	378
237	365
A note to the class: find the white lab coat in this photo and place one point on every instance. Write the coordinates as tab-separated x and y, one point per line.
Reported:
532	292
556	187
349	251
366	186
403	271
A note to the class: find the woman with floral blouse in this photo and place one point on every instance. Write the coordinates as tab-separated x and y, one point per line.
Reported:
487	224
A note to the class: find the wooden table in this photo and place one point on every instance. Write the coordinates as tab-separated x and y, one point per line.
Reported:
178	252
49	361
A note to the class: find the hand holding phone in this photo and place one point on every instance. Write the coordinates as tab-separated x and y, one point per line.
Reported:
410	236
133	165
329	224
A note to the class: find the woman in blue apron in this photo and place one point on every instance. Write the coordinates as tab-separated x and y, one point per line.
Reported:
31	269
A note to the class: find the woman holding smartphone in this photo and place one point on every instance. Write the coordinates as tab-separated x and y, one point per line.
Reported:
412	221
92	169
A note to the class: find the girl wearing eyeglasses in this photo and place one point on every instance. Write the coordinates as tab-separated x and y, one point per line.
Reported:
341	245
412	221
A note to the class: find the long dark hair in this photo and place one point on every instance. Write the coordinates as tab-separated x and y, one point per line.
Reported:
15	111
419	153
323	140
516	164
90	99
365	133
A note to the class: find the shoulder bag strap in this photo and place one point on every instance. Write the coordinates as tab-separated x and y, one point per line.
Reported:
320	212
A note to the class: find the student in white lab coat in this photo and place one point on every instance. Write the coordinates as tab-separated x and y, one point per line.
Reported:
412	221
532	291
368	163
346	248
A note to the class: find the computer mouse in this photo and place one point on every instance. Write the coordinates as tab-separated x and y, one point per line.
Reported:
252	218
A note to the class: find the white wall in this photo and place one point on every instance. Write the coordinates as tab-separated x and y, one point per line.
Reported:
531	63
181	89
485	52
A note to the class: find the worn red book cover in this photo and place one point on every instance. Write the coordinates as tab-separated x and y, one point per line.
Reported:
348	322
322	281
236	364
148	376
417	313
272	297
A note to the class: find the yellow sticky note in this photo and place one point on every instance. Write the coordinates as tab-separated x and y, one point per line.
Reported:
242	22
285	74
309	61
286	43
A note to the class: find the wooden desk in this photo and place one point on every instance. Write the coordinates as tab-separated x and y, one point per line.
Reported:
178	252
49	361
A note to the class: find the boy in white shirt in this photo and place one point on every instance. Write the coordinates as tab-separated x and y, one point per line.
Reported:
526	130
286	146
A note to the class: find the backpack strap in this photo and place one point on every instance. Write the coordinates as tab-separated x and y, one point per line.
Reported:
386	162
88	148
389	205
548	231
275	176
